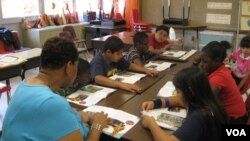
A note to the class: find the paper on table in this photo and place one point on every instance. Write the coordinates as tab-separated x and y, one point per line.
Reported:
120	118
158	65
170	118
167	90
173	53
89	95
10	60
127	77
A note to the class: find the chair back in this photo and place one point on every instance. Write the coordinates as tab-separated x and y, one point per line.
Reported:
66	35
70	29
135	15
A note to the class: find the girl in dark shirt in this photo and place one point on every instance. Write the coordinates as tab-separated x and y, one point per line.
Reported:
205	114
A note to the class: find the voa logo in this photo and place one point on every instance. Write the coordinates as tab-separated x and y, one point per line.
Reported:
236	132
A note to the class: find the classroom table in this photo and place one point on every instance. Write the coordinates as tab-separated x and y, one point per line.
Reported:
99	30
131	102
32	57
195	27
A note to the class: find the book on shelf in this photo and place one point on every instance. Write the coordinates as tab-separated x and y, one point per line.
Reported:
167	90
127	77
121	122
89	95
169	118
158	65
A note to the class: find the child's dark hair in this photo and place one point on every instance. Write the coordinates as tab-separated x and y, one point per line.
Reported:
139	37
83	66
162	27
245	42
193	83
217	49
113	44
56	52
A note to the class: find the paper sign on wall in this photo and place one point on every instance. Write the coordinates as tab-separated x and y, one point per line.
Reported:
246	8
218	18
245	23
219	5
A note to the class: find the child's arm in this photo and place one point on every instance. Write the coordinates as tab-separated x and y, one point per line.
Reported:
102	80
243	80
138	68
173	101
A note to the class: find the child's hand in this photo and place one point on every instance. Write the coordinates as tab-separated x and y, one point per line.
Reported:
148	121
151	72
130	87
148	105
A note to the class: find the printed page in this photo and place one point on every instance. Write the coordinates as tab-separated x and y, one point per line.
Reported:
121	122
173	53
89	95
167	90
170	118
158	65
127	77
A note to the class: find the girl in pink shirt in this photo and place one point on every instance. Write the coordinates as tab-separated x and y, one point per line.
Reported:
242	59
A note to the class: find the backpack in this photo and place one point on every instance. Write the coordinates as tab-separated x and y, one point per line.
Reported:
9	39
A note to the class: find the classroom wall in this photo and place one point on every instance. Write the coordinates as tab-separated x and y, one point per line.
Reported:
152	11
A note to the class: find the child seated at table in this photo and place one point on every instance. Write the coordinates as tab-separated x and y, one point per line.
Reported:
139	54
83	78
241	57
107	63
205	114
159	41
223	85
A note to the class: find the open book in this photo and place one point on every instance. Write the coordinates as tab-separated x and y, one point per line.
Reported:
167	90
177	55
121	122
170	118
10	60
89	95
127	77
158	65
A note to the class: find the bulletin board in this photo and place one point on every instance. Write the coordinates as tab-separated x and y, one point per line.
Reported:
219	14
245	16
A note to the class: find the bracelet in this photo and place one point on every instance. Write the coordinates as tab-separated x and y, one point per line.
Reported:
157	103
96	126
167	101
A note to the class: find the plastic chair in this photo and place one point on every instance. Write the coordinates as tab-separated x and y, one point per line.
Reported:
69	32
5	88
138	24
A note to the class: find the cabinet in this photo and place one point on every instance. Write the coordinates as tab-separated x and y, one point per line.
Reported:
33	38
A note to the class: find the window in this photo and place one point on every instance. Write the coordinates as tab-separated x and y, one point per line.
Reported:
53	7
22	8
84	6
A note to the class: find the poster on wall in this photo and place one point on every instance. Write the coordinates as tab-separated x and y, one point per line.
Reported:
245	8
245	23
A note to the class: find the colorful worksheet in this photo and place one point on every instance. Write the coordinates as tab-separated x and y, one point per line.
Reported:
158	65
169	118
127	77
89	95
121	122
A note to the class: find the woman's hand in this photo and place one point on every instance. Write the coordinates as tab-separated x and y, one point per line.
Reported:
101	118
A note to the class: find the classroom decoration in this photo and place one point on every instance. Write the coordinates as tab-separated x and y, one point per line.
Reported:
245	16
